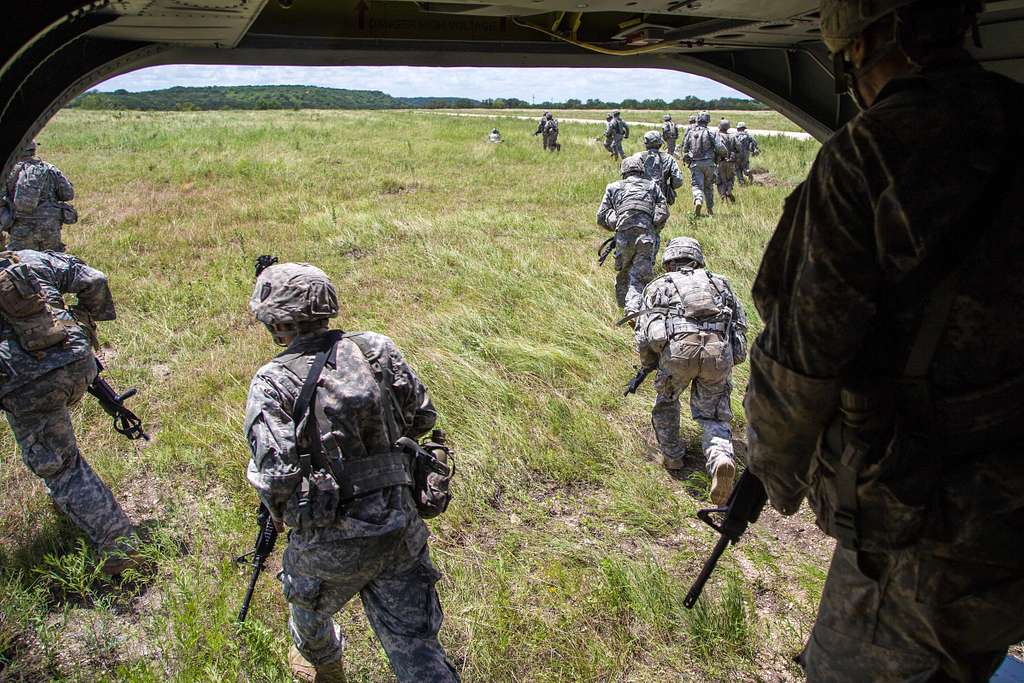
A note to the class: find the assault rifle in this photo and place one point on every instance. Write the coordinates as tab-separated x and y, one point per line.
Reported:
670	192
266	538
605	250
126	422
744	507
264	262
637	380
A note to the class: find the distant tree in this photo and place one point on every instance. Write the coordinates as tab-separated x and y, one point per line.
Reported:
573	104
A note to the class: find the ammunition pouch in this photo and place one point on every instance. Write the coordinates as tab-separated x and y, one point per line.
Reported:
24	307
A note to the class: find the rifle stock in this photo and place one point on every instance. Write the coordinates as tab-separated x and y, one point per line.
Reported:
744	507
126	423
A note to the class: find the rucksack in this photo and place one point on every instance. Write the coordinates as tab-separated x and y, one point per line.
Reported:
24	307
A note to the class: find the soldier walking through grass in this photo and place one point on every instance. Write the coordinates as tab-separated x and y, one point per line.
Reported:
693	331
35	205
326	465
635	209
620	132
662	169
746	147
701	150
670	133
886	386
48	364
725	172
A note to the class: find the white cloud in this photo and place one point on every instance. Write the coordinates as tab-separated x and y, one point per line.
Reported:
531	84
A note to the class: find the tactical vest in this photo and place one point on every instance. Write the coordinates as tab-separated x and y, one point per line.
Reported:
654	166
682	303
634	196
23	306
670	131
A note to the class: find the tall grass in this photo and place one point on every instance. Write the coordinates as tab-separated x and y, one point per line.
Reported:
566	550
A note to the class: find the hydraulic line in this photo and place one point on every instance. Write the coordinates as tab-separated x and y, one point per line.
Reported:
597	48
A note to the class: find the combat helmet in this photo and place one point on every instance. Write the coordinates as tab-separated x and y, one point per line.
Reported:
292	299
666	117
843	20
683	249
652	139
703	118
741	126
616	112
724	125
29	150
631	165
693	118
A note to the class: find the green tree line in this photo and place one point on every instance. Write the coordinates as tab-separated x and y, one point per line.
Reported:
311	97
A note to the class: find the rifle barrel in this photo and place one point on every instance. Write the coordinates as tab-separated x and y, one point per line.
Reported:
257	568
709	567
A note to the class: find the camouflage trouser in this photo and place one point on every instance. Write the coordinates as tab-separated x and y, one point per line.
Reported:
617	147
710	391
396	586
725	177
39	417
550	141
743	169
608	145
40	235
671	146
634	265
702	183
913	617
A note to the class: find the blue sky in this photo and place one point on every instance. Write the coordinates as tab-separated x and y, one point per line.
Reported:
537	84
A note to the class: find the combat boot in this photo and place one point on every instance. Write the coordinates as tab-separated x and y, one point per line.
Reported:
697	206
721	482
303	671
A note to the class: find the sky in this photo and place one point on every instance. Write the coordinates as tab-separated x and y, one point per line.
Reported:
530	84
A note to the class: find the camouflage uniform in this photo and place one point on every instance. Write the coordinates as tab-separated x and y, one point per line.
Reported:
746	146
700	150
693	352
620	131
635	208
550	135
609	133
725	173
375	544
670	133
36	192
947	602
656	165
36	393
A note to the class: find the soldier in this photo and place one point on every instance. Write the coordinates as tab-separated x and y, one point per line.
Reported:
693	330
620	132
635	208
746	147
308	469
551	134
494	137
36	197
886	385
691	124
662	169
725	173
609	133
670	133
701	149
48	365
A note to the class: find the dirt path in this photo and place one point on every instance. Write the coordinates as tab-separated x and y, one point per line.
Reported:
641	124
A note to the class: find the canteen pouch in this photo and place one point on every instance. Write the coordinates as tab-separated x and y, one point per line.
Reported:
24	307
432	476
653	332
68	214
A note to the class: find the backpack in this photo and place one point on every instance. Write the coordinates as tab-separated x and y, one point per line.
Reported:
23	306
330	481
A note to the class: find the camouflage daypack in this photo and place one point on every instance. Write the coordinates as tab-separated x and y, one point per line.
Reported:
23	306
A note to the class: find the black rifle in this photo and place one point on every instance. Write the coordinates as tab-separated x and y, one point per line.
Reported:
605	250
126	422
265	541
637	380
745	503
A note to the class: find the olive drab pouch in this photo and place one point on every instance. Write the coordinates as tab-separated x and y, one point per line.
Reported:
24	307
68	214
433	469
699	325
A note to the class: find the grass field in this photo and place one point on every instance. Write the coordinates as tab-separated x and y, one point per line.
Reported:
763	120
567	551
